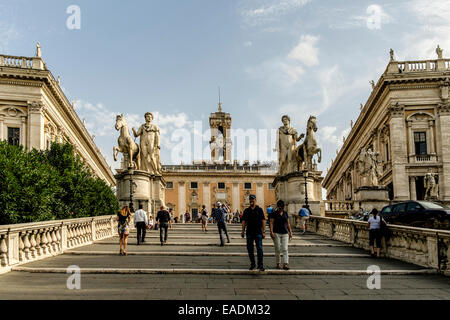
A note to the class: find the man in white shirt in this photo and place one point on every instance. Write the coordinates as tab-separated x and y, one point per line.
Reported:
140	222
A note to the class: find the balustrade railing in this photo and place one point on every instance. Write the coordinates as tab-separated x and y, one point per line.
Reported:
336	205
21	62
22	243
425	247
421	66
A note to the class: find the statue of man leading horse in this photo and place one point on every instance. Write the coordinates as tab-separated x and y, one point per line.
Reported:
292	157
146	156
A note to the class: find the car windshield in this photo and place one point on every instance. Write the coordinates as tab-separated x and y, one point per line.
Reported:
430	205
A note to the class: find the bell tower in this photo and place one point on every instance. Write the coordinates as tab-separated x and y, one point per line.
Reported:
220	143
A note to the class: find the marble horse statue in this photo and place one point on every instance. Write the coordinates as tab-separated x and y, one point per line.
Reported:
308	148
126	144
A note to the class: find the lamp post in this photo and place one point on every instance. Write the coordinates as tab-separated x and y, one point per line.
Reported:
131	192
305	175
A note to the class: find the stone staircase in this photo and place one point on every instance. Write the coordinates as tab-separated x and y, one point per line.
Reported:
192	265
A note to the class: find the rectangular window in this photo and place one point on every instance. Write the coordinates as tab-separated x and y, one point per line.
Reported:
270	186
194	185
169	185
221	185
247	185
420	142
14	136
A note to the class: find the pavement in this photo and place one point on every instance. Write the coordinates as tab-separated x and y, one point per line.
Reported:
193	266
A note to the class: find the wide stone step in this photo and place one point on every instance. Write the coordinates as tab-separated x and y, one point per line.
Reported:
132	247
291	272
216	243
215	254
209	262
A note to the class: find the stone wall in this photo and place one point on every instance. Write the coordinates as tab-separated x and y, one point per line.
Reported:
26	242
425	247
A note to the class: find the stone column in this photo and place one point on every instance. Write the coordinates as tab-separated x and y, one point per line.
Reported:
411	139
35	125
412	188
260	194
2	119
432	148
235	196
399	153
207	196
444	126
22	131
181	198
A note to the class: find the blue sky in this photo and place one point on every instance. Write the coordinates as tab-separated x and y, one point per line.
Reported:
296	57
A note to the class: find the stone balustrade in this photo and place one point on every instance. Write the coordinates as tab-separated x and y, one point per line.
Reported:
424	247
21	62
419	66
336	205
22	243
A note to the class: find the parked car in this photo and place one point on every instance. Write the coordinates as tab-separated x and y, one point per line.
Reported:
423	214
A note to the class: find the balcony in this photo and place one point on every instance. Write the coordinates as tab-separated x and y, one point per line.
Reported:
423	158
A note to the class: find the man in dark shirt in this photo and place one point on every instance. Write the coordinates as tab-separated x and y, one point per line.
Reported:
254	221
220	215
163	219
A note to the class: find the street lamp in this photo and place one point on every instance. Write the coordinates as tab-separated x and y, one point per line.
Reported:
131	192
305	175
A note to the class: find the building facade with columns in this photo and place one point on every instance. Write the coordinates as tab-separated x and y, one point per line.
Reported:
188	187
34	111
406	123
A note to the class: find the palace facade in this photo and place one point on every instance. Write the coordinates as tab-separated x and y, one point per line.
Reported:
188	187
34	111
406	123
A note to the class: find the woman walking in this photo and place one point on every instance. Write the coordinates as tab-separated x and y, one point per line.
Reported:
123	218
281	233
204	218
375	222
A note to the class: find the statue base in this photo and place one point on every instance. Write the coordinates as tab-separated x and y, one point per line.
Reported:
372	197
291	189
148	189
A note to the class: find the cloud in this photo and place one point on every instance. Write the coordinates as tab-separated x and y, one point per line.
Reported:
433	29
100	121
287	70
271	11
8	33
306	51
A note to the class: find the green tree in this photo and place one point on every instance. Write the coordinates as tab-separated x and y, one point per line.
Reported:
50	184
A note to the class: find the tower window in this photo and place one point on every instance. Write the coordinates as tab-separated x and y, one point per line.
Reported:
420	142
14	136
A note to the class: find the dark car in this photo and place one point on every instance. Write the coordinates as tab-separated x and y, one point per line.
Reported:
423	214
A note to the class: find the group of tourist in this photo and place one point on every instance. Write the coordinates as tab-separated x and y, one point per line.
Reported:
142	223
253	228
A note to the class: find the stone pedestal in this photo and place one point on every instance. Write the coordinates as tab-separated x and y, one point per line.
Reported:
372	197
291	189
148	189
